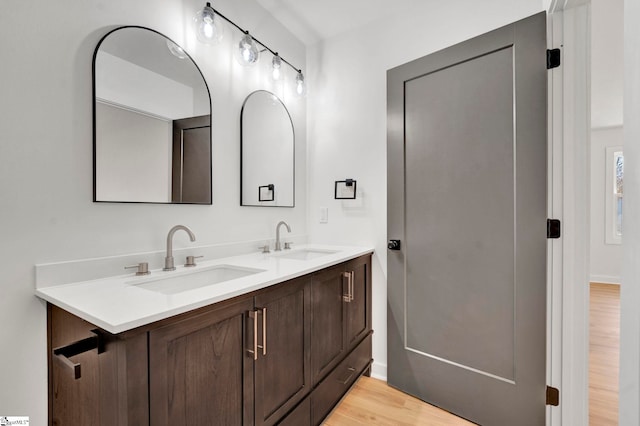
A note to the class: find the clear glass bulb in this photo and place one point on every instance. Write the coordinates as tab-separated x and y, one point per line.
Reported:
276	64
247	52
301	87
208	26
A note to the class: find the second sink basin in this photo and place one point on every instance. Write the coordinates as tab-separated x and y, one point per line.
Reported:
305	254
192	279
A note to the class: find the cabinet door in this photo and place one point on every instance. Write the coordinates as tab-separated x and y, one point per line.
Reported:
72	402
200	370
113	386
358	321
282	370
328	289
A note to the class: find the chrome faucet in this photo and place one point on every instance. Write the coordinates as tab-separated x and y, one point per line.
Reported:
168	260
278	245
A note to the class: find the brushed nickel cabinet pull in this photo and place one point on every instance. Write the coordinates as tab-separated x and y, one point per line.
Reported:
263	346
347	297
350	372
351	285
264	331
254	315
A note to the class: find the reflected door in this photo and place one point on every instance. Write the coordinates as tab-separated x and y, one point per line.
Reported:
191	161
467	197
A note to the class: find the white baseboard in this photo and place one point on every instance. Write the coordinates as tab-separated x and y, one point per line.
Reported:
379	371
605	279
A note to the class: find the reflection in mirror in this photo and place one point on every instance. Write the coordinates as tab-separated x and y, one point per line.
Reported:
152	121
268	152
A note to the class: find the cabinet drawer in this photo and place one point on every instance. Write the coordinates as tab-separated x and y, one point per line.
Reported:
337	383
300	416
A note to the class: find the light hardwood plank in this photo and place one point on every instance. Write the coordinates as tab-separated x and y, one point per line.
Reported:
604	350
373	402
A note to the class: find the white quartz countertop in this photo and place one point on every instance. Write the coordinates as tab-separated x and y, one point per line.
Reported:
120	303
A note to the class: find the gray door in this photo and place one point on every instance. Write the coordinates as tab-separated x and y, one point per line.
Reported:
467	155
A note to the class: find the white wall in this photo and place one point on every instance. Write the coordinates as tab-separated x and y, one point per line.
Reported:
133	155
606	259
46	212
630	289
126	84
607	69
347	110
607	62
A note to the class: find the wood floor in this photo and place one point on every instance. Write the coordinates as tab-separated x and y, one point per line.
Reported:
372	402
604	350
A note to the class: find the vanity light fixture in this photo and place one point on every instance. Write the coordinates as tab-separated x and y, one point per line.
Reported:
276	64
209	30
301	87
247	52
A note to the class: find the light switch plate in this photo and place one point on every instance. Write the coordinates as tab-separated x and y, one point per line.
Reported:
324	214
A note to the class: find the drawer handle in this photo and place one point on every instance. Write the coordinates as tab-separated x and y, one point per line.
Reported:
254	351
264	332
351	285
349	296
350	372
63	353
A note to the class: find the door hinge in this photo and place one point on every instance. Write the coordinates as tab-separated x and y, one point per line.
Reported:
553	396
553	228
553	58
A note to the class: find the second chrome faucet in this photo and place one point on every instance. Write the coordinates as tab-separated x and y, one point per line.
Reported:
168	260
278	245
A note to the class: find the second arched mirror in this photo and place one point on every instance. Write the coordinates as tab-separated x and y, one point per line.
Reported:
267	152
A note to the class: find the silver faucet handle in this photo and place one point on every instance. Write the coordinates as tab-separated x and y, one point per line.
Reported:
287	245
143	268
265	248
191	260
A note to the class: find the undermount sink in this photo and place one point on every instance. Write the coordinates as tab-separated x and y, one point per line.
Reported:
178	282
305	254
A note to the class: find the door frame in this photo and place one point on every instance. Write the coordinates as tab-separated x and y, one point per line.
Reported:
569	27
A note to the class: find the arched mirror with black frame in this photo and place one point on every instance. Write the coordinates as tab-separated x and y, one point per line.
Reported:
267	141
151	121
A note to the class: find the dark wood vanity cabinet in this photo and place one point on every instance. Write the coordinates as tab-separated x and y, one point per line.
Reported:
70	396
341	305
282	355
247	363
282	375
199	371
341	330
358	316
110	383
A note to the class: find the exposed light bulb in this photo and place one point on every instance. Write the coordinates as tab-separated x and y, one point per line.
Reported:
276	64
301	87
176	50
208	27
247	53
